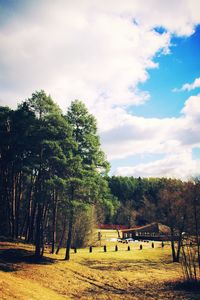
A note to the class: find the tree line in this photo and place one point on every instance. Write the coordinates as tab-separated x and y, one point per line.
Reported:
173	202
52	171
55	188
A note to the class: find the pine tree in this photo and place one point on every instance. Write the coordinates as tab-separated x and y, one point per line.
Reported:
89	163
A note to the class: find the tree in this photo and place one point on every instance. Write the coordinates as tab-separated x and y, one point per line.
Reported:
172	208
196	216
14	158
51	135
89	163
191	243
5	113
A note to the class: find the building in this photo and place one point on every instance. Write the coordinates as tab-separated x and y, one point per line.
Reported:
154	231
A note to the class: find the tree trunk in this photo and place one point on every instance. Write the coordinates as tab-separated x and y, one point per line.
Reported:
12	199
38	235
69	238
62	237
31	213
19	196
118	233
179	248
55	208
5	228
174	258
23	227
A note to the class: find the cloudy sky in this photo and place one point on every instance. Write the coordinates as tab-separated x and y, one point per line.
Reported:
135	63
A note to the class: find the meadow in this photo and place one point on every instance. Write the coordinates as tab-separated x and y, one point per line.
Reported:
135	274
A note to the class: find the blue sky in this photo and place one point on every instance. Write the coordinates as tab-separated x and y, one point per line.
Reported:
180	66
135	64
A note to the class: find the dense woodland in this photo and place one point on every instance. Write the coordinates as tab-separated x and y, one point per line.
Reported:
55	187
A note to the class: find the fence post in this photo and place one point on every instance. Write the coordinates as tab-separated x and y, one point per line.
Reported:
104	248
116	248
90	249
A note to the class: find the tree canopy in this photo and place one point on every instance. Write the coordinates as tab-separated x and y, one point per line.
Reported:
54	182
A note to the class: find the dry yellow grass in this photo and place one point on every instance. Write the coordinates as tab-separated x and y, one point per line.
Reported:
124	274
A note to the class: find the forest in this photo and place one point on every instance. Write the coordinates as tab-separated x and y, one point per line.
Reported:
55	186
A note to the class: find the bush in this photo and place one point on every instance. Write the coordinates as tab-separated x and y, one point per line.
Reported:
190	255
83	228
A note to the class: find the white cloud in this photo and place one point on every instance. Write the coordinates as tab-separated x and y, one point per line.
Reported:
98	51
173	137
192	86
131	135
77	51
89	49
189	86
178	165
192	107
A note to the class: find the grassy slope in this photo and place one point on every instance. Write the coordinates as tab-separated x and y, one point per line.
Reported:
124	274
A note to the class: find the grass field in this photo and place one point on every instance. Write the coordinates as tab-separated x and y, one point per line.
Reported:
134	274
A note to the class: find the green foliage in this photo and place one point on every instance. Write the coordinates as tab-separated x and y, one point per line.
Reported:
83	226
135	195
42	105
53	174
84	131
86	183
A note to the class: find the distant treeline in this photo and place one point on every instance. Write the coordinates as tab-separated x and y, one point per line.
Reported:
172	202
54	183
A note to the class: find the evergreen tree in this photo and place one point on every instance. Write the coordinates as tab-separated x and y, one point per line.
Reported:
51	133
89	163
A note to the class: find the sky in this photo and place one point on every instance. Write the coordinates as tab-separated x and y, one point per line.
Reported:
134	63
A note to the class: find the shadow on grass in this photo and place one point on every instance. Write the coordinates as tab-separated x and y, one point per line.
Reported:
188	286
131	290
97	285
11	259
135	290
124	265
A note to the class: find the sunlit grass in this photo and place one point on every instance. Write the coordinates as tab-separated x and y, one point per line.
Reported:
134	274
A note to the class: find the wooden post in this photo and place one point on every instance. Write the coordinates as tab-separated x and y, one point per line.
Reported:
116	248
128	248
140	247
90	249
152	245
75	250
104	248
99	237
162	244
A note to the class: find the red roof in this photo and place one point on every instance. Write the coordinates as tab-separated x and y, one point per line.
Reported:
161	227
112	226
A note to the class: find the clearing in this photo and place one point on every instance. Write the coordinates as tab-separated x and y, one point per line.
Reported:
135	274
